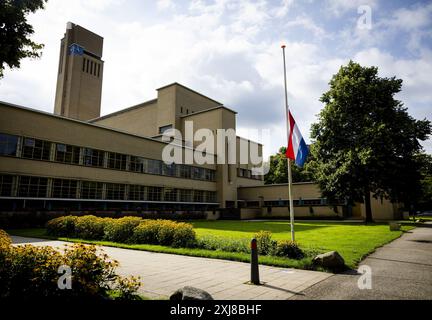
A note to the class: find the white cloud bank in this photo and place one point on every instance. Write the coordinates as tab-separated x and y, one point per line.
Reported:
229	50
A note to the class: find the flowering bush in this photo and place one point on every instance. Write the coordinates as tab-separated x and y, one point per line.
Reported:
126	229
288	249
120	230
165	232
265	244
62	226
29	271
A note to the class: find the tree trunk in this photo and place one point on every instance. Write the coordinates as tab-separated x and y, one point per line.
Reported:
368	206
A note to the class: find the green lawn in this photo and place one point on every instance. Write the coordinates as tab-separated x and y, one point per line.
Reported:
352	240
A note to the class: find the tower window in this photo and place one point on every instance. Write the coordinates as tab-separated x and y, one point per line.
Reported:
87	66
91	67
84	62
98	70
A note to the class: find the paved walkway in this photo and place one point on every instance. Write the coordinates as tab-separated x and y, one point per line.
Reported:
162	274
401	269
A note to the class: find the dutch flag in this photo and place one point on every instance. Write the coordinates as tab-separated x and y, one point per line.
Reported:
297	149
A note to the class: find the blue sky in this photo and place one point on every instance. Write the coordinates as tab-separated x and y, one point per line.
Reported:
230	51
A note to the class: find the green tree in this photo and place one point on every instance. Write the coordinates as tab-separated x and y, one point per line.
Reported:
15	43
278	171
425	198
365	142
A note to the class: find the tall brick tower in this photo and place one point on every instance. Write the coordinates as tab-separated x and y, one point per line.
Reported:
80	73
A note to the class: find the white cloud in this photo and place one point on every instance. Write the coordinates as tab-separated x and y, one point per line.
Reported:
165	4
339	7
218	49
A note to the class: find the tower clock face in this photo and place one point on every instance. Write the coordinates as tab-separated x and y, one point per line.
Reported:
75	49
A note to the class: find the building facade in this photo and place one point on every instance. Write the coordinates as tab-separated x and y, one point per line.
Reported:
76	160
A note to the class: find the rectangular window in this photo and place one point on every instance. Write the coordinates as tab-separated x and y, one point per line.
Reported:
36	149
6	182
170	194
154	166
312	201
240	172
91	190
98	70
154	193
137	164
210	196
83	65
32	187
115	191
64	188
137	192
209	175
87	65
8	145
185	172
185	195
169	169
117	161
198	173
198	196
164	128
67	154
93	157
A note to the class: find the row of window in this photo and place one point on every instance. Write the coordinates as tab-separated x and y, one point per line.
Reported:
41	150
298	202
246	173
91	67
41	187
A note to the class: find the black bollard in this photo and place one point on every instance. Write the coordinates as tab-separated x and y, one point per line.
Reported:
254	262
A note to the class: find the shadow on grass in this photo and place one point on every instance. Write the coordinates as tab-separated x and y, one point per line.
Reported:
256	226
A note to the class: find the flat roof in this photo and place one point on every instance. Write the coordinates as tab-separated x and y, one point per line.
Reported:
207	110
189	89
137	106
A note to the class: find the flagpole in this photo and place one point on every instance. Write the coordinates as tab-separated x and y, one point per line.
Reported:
291	205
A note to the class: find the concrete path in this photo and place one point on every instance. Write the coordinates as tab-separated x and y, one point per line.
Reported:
162	274
401	269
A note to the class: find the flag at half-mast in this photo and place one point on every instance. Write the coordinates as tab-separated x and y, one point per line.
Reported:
297	149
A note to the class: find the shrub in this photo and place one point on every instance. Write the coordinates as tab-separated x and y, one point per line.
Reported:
30	272
121	230
184	235
62	226
4	239
288	249
165	232
265	244
126	229
90	227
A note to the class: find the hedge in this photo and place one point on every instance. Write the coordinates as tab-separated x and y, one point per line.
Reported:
124	230
28	271
165	232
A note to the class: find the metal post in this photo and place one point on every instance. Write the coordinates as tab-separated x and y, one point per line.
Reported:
254	263
291	202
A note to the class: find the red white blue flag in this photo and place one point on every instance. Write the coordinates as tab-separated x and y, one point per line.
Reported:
297	149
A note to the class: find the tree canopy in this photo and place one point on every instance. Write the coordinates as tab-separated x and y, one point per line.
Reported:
15	32
365	142
278	172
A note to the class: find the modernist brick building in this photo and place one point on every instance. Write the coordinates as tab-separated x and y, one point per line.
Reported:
76	160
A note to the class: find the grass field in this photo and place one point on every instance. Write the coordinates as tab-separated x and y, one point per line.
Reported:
352	240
